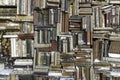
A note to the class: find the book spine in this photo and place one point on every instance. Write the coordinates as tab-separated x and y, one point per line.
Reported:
28	47
13	47
88	29
29	7
87	73
76	7
35	19
53	45
12	77
65	47
51	16
66	25
63	5
66	5
52	58
18	4
96	16
63	22
24	48
40	36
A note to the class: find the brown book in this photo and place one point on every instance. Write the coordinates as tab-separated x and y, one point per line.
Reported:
65	22
108	19
79	73
26	36
87	73
48	49
74	25
114	47
97	48
53	45
35	20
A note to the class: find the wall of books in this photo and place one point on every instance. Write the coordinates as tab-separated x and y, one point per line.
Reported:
59	40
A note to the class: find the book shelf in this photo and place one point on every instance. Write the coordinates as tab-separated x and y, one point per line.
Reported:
59	39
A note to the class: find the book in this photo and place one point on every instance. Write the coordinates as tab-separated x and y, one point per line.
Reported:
5	11
23	7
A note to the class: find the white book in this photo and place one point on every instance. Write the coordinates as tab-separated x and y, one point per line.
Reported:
13	47
65	46
24	48
29	8
18	4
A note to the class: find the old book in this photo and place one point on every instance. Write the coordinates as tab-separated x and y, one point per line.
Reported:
67	2
13	48
53	3
76	7
85	5
54	45
74	25
75	18
23	7
114	1
25	77
29	48
71	9
24	44
42	45
88	38
96	14
8	2
85	1
52	58
85	9
63	5
37	18
51	16
57	15
106	47
63	22
65	19
75	40
12	77
26	36
43	4
98	50
114	49
79	73
87	73
65	46
67	79
81	41
47	62
83	20
107	19
5	11
36	37
37	3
